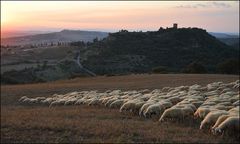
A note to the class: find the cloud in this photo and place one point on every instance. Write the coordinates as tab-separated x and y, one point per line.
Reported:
221	4
201	5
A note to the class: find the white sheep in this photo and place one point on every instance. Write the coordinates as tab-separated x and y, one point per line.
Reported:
57	102
219	121
128	105
144	107
117	103
237	103
201	112
22	98
171	113
211	118
231	124
155	109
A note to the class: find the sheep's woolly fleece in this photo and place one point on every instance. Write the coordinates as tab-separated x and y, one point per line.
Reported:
216	104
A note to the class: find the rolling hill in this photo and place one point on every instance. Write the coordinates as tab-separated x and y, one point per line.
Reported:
174	49
170	50
55	37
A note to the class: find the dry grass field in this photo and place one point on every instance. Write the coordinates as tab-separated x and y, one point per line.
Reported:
98	124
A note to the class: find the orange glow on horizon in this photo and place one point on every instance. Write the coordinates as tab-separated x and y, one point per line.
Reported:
115	15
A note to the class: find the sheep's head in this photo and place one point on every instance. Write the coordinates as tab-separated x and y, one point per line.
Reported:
217	131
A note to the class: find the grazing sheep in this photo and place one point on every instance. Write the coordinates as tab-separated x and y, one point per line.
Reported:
94	101
231	124
171	113
216	104
155	109
144	107
22	98
201	112
70	101
137	107
237	103
187	112
57	102
107	104
219	121
211	118
117	103
128	106
47	101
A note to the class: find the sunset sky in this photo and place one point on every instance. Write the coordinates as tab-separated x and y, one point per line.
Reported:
215	16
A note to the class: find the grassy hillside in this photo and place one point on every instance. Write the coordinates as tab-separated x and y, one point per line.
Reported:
173	48
185	50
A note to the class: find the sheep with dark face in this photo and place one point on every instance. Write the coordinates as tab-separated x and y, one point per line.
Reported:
229	125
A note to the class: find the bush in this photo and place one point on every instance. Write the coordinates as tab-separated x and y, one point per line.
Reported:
230	66
159	69
194	67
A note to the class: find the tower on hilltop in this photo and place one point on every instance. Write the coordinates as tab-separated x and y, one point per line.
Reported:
175	25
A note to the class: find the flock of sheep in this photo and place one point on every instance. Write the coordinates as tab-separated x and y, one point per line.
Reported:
216	105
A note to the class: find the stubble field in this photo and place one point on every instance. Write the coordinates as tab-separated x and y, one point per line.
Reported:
94	123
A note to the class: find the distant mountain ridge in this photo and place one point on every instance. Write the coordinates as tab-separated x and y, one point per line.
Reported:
55	37
223	35
229	39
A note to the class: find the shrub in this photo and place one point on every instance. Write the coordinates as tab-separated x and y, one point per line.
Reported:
230	66
194	67
159	69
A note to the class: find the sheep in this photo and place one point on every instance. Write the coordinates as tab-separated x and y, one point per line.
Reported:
107	104
236	86
194	87
174	99
234	110
219	121
187	112
171	113
137	107
22	98
128	106
79	101
229	124
211	118
57	102
144	91
166	104
144	107
165	89
201	112
117	103
197	103
156	109
47	101
70	101
237	103
94	101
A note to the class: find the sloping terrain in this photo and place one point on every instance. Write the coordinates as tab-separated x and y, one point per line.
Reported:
97	124
124	51
55	37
